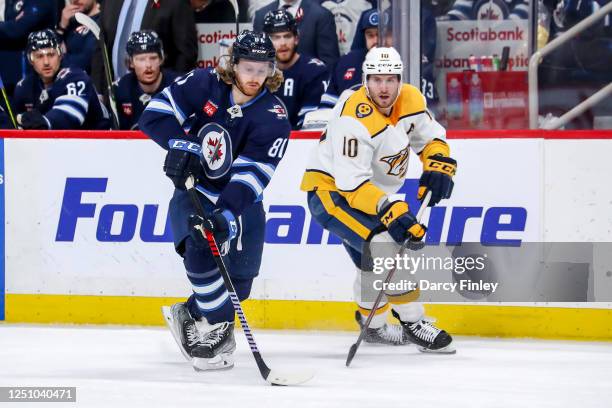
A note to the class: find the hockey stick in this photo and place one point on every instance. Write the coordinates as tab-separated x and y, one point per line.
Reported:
354	347
271	376
236	14
97	32
8	104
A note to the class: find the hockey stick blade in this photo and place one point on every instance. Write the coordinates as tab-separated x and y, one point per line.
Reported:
89	23
285	379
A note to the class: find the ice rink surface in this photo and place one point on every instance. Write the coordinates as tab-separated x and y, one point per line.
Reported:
142	367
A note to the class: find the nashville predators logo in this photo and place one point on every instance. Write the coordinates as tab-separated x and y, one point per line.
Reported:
363	110
398	163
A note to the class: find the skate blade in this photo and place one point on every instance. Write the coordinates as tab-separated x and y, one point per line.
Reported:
281	378
223	361
444	350
170	323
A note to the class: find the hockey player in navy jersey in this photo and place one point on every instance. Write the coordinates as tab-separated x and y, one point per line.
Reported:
305	76
54	98
145	79
238	136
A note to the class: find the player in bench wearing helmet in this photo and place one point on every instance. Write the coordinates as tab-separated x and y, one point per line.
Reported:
305	77
239	132
360	162
54	98
146	77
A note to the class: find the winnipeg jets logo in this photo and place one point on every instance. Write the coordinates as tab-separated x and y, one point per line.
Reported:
216	150
281	113
316	62
398	163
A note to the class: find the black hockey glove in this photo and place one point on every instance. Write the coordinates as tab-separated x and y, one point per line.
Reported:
437	177
221	223
400	222
181	161
32	120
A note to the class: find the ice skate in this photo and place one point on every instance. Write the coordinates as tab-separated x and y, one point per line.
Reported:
427	337
391	334
216	347
183	328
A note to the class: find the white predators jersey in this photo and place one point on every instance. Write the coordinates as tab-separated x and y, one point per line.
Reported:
363	154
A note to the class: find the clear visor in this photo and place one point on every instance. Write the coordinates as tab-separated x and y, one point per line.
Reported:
258	69
40	54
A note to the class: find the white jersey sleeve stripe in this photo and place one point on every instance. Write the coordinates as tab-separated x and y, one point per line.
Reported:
71	111
177	111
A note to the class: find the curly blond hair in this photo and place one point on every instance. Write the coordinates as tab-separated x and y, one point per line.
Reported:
227	74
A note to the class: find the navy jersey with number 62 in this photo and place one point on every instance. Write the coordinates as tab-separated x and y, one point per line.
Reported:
71	102
239	145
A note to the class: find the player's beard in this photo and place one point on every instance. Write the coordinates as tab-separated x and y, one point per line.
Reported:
291	54
248	88
152	81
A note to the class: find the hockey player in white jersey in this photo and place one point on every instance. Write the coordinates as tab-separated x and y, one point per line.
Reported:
360	162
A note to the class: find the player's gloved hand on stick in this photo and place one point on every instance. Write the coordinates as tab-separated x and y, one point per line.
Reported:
437	177
182	160
221	223
400	222
32	120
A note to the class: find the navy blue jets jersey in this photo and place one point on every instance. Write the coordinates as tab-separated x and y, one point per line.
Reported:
131	99
239	145
305	81
71	102
345	75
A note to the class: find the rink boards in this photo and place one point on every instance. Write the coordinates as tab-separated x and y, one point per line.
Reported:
87	240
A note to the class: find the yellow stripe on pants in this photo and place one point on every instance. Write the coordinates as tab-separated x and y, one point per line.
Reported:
342	216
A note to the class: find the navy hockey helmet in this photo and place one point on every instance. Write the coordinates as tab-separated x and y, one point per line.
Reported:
253	46
145	41
279	21
39	40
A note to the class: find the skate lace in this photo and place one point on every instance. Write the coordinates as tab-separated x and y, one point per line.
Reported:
424	330
192	334
391	332
213	338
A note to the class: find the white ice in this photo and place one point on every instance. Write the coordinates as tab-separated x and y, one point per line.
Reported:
142	367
